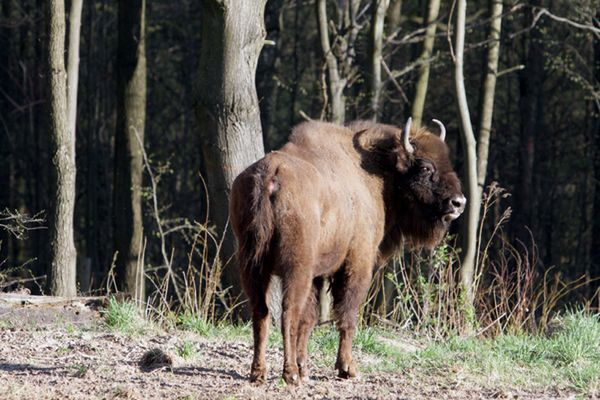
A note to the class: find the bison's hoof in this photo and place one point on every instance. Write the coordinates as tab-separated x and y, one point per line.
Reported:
302	371
291	377
346	370
257	375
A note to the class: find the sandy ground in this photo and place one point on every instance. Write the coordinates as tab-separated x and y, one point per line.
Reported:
66	353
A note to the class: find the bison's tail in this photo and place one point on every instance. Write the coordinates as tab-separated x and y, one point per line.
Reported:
258	222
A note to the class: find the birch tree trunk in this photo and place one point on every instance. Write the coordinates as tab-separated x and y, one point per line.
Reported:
486	109
469	144
377	22
131	116
83	266
393	17
418	105
337	101
73	63
227	105
62	149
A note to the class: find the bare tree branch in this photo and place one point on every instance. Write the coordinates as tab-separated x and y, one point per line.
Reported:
543	11
18	224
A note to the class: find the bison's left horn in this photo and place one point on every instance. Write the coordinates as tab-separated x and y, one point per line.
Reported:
442	129
405	135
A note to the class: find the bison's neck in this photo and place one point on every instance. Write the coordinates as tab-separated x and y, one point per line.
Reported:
393	236
406	225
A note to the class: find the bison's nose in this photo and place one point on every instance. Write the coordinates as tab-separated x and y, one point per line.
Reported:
454	207
458	202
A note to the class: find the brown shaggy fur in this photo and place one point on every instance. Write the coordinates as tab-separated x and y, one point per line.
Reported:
331	204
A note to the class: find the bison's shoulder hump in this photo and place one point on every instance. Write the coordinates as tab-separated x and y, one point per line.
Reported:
319	133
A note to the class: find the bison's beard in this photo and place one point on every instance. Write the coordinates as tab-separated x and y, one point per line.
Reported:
415	232
426	235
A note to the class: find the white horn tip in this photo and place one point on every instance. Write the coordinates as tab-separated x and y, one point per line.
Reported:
442	129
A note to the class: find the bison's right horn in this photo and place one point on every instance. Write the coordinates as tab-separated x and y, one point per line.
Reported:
442	129
405	135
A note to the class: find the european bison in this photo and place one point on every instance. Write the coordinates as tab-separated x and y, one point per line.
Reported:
331	204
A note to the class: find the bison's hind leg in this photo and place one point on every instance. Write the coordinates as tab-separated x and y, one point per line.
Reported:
349	289
256	286
297	284
307	323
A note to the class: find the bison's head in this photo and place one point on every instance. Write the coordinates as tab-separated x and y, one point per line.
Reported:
427	186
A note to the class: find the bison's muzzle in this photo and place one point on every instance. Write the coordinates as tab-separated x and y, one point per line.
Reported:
454	208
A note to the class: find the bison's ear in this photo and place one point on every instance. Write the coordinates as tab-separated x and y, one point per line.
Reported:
373	141
361	140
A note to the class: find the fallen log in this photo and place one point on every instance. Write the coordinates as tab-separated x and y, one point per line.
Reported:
18	299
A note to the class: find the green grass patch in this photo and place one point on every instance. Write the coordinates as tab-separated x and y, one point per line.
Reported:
186	350
568	358
193	323
371	341
125	317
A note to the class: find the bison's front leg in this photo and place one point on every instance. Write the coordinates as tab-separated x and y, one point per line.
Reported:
296	289
349	288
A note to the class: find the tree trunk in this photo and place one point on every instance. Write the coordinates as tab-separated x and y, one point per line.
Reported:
421	90
336	84
469	144
131	115
377	22
227	105
486	109
73	63
393	17
62	146
83	273
296	63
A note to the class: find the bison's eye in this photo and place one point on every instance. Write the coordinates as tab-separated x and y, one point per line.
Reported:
426	170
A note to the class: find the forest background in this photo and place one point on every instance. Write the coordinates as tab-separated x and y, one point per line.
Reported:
203	85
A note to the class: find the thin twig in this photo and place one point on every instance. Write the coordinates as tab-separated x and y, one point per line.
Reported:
448	36
396	84
510	70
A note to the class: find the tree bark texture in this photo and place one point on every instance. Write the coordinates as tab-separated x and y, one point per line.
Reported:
336	84
73	63
393	17
377	22
486	108
469	144
233	34
418	105
62	149
129	137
